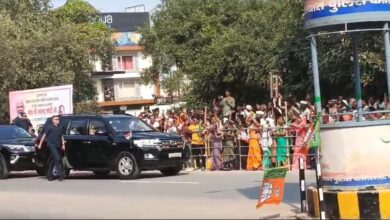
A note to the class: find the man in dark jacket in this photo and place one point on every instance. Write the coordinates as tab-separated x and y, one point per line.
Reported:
56	143
23	122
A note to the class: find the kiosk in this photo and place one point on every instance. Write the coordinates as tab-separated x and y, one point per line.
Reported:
355	155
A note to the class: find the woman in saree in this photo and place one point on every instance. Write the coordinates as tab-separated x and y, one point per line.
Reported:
281	143
254	160
229	147
300	150
216	143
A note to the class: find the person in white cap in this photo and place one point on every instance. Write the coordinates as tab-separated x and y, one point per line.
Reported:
306	113
267	125
248	112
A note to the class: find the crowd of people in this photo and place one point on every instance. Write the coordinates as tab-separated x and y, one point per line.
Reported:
338	110
257	137
236	136
227	133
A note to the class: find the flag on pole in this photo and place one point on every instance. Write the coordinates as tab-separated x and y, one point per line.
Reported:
315	141
272	189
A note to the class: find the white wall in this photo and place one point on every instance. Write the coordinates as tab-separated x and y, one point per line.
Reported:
99	89
147	91
144	62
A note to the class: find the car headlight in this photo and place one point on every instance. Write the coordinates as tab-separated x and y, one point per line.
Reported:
147	142
18	148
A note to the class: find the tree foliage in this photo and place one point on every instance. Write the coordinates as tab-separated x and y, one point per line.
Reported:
234	45
43	47
221	44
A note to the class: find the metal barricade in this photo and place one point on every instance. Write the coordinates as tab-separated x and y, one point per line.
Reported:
241	149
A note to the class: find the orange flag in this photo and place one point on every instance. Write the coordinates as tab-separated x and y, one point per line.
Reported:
272	189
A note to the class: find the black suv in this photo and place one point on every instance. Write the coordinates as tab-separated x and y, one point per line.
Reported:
121	143
16	151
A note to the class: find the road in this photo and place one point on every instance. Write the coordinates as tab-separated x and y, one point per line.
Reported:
228	195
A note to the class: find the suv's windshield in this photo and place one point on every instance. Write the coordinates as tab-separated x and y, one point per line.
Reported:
128	124
13	132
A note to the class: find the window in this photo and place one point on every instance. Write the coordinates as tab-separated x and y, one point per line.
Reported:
77	127
128	124
127	89
13	132
125	63
127	85
96	126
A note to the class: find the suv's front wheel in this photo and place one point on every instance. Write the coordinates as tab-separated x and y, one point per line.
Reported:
127	166
4	171
171	171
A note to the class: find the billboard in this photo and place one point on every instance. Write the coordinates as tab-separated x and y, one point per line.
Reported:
126	38
320	13
40	104
124	21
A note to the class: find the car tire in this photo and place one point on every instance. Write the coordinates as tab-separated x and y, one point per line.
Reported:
171	171
127	166
102	173
40	171
4	170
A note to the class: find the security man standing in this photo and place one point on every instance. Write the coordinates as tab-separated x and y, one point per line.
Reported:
56	143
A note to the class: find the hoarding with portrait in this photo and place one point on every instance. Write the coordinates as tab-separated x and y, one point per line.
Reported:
40	104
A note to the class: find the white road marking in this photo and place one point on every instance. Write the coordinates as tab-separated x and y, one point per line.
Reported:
158	182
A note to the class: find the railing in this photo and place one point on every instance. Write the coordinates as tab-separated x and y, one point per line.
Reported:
353	116
239	152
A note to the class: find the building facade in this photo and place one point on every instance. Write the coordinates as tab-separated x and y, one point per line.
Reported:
120	87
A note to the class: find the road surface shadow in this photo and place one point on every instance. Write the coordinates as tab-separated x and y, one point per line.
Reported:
18	175
291	193
75	175
113	175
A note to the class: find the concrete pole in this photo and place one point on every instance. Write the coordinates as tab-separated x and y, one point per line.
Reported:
358	83
387	50
316	77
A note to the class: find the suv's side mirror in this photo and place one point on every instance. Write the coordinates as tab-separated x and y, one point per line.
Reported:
102	132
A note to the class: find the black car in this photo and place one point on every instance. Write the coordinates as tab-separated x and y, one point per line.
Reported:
16	151
121	143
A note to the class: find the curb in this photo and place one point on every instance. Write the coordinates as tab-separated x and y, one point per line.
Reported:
368	204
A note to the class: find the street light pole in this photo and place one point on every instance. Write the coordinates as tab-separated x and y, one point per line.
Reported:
387	50
358	83
316	77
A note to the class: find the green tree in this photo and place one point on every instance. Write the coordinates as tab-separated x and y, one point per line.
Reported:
220	44
43	47
234	45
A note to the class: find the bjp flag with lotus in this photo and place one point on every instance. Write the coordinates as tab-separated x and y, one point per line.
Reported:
272	189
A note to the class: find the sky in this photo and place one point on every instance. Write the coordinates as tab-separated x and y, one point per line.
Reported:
114	5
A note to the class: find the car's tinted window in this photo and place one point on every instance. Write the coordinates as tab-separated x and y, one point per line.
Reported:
13	132
77	127
128	124
95	126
